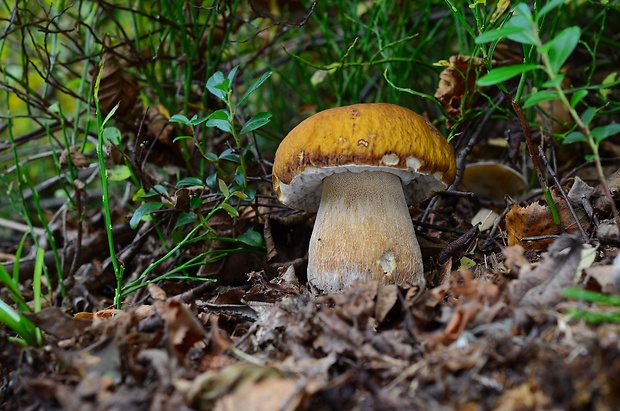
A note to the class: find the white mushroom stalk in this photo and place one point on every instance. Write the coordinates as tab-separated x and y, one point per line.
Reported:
363	232
359	167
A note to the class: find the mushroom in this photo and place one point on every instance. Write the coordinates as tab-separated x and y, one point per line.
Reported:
492	181
358	166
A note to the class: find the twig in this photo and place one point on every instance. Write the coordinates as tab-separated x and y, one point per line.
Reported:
528	141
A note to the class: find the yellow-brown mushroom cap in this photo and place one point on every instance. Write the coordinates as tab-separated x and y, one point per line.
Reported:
362	137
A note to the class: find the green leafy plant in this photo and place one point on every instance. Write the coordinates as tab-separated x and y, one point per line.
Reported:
233	189
549	56
101	131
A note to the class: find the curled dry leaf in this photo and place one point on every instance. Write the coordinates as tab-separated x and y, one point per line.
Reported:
182	327
55	322
74	155
457	84
117	86
387	296
607	277
542	286
579	192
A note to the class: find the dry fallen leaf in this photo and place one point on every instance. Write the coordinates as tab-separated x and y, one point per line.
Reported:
55	322
532	220
272	394
182	327
117	86
77	158
543	285
457	82
205	390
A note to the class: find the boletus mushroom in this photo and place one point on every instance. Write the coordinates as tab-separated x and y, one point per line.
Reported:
358	167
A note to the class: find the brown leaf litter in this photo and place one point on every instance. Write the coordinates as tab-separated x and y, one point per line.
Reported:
493	342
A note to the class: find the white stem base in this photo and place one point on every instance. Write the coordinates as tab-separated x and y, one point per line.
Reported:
363	232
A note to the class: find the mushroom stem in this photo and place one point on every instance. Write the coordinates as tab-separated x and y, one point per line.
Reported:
363	231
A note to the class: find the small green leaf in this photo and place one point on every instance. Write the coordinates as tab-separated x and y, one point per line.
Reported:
230	210
555	82
251	238
179	118
525	34
250	194
185	218
539	97
562	46
111	135
143	211
224	86
523	10
240	194
159	189
256	122
239	180
110	114
195	202
215	80
588	115
575	137
154	191
211	180
505	73
602	132
189	181
223	125
119	173
211	157
223	187
231	74
577	97
552	4
253	87
497	34
230	155
220	114
611	78
198	120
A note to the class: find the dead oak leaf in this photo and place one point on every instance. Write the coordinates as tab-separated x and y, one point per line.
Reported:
536	220
531	220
